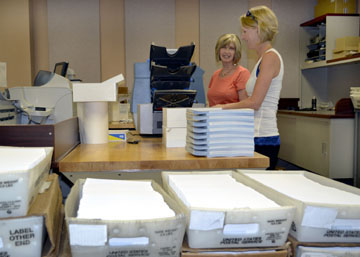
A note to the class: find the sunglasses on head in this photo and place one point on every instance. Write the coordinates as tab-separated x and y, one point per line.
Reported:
249	14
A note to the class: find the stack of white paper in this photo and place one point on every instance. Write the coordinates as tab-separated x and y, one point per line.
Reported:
20	158
293	185
217	191
121	200
355	96
215	132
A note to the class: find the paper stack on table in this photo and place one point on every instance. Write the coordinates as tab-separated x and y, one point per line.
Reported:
214	132
217	191
121	200
293	185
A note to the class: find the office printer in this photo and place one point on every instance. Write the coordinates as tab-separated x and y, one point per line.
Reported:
49	102
167	80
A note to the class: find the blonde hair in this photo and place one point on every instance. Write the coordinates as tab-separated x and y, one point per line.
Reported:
263	18
225	40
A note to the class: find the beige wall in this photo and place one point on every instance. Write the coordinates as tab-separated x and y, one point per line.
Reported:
74	36
15	41
101	38
112	38
39	36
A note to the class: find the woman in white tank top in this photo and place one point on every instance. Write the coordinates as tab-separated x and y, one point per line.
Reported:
259	26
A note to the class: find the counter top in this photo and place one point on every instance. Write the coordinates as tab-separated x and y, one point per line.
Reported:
318	114
148	154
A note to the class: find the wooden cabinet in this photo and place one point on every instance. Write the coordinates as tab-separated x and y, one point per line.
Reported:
321	145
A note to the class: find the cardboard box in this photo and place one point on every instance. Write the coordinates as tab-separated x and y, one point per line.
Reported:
282	251
335	6
272	224
19	188
174	117
166	235
316	222
342	54
38	233
118	111
106	91
174	137
346	44
118	135
294	246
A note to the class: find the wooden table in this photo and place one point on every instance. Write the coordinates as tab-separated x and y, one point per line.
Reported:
144	160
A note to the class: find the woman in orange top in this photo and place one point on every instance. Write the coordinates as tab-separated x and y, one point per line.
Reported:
227	85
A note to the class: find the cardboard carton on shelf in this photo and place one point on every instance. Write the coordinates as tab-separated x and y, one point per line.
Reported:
38	233
335	6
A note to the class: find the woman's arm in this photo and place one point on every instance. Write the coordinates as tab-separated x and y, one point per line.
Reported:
269	68
242	94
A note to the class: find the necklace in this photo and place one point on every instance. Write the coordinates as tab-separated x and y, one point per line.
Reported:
224	73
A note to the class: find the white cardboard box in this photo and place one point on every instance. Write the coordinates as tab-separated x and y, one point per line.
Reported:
272	224
18	188
100	238
316	222
105	91
118	135
174	137
174	117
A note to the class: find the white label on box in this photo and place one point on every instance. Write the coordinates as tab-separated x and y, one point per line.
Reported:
206	220
1	243
319	217
240	229
132	241
342	224
87	235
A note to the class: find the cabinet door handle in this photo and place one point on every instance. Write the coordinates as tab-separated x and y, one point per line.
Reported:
324	149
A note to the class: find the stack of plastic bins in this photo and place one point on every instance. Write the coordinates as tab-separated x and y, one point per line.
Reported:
170	77
322	220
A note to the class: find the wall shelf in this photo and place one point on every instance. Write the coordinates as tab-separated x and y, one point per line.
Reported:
347	60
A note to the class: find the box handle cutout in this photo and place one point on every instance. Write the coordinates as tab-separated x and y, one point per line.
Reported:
131	241
240	229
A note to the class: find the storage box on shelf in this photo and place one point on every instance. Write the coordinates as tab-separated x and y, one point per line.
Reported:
346	46
224	227
324	218
335	6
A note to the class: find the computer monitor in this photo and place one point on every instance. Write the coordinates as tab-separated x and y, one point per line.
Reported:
61	68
